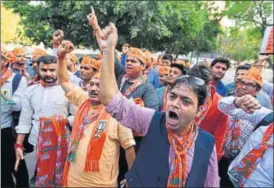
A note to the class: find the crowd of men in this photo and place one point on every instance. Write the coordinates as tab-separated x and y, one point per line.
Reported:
138	120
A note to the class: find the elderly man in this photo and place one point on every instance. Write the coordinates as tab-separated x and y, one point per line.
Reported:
96	136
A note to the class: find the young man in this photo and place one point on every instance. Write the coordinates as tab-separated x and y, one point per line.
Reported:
133	84
12	89
176	70
163	75
41	101
95	138
262	97
209	117
164	157
253	167
88	69
167	60
35	55
238	130
151	72
219	66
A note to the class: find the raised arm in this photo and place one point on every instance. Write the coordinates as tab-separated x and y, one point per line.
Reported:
62	72
123	110
107	40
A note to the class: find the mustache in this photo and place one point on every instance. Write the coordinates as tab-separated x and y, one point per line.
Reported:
93	93
48	77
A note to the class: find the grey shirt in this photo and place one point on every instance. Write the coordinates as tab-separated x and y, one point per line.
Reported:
145	91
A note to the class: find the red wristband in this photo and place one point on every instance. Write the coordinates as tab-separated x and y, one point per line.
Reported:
16	145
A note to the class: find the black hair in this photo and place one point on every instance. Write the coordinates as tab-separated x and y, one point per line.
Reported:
201	71
46	59
167	57
243	67
220	60
179	66
199	89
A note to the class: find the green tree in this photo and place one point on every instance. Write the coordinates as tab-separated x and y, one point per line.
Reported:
238	44
172	26
251	13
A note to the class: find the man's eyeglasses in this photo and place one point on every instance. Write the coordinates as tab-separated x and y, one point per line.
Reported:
241	83
194	79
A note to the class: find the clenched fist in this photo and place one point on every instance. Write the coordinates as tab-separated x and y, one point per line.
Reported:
248	103
65	48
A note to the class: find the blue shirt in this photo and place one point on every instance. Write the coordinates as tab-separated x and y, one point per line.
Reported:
153	78
221	89
123	59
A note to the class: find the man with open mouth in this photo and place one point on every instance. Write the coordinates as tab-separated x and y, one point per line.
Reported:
174	151
134	85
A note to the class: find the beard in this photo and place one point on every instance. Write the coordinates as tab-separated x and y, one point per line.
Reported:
48	79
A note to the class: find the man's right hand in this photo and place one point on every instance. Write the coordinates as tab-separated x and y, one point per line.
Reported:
248	103
65	48
19	156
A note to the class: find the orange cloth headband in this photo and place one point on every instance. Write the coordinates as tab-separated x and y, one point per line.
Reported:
19	51
90	61
37	52
163	70
137	53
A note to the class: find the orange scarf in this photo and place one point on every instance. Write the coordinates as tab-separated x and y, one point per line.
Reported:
52	149
96	144
246	166
177	176
133	86
5	76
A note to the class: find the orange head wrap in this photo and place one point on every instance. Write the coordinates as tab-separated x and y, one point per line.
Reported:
73	58
137	53
253	74
163	70
8	56
37	52
19	51
148	56
90	61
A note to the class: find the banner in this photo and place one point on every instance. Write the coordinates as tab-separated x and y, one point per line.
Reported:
267	45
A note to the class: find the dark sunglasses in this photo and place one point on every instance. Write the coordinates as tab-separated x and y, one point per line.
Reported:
196	80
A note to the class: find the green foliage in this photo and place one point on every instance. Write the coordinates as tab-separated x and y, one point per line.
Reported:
250	13
173	26
240	45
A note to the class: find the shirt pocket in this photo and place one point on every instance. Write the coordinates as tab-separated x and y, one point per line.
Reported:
112	132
